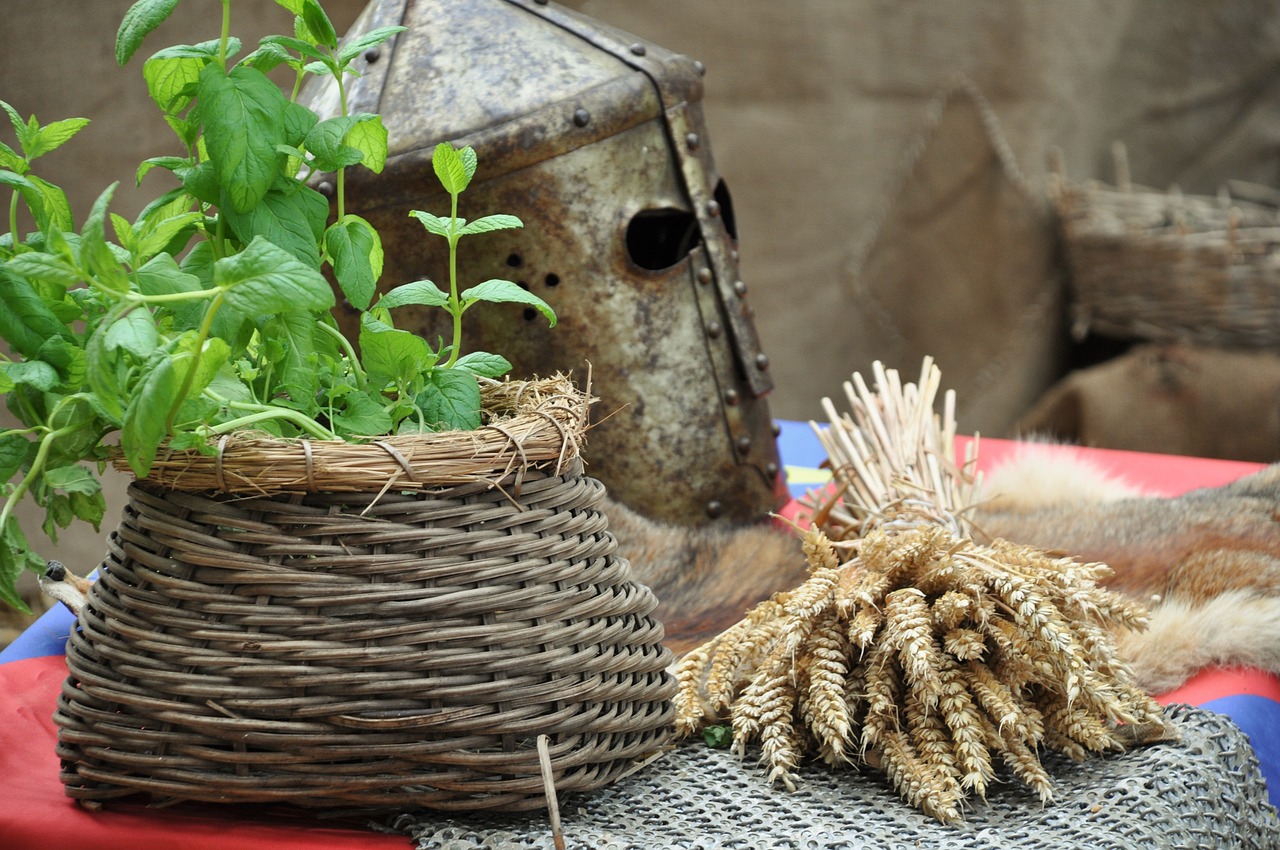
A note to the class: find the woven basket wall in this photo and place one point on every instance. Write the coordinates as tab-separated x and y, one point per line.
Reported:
1167	267
393	649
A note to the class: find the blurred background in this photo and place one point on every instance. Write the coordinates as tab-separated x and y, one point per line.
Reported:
890	166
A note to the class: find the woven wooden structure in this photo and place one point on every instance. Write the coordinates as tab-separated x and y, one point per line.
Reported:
1163	266
398	648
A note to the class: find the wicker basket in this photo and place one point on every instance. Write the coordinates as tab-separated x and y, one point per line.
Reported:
1168	267
399	647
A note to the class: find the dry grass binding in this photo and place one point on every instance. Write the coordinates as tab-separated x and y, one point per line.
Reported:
910	647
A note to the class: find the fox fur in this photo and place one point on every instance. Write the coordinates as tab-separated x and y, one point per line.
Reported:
1206	564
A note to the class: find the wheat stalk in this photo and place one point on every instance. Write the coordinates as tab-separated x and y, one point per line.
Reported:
922	653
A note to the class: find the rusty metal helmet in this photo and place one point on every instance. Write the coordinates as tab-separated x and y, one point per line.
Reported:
596	140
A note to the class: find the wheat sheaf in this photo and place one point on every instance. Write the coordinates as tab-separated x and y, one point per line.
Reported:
912	648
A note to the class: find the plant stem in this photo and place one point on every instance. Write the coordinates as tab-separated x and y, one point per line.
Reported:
455	308
13	221
226	34
362	380
187	381
37	469
262	413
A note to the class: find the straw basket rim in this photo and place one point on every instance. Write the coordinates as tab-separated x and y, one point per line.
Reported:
540	423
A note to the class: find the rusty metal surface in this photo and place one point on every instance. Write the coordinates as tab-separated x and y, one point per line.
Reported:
573	124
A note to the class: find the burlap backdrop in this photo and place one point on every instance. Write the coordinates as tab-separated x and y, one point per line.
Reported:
886	157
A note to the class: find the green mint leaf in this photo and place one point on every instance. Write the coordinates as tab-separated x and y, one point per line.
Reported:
12	160
14	449
89	507
201	182
451	400
504	291
291	216
31	373
450	168
267	57
54	204
360	44
171	74
355	250
134	332
243	115
15	556
264	279
156	394
45	268
307	49
19	126
298	121
31	195
421	292
325	142
362	415
169	163
368	136
484	364
67	357
718	737
26	322
294	7
433	223
142	17
107	375
160	236
392	356
319	24
296	364
490	223
72	479
53	136
123	230
95	254
161	276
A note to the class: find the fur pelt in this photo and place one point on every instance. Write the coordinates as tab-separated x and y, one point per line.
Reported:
1206	564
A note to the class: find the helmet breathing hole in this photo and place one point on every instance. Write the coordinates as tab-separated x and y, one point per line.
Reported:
726	210
515	261
552	280
659	238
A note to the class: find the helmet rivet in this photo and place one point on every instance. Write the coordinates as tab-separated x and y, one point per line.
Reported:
731	397
740	289
638	49
734	255
692	141
581	117
714	508
325	188
704	276
714	329
744	444
713	208
699	68
777	429
762	361
771	469
372	55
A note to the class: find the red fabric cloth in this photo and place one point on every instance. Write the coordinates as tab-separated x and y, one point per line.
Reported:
35	814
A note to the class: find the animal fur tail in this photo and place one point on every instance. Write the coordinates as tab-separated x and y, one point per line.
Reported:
1239	628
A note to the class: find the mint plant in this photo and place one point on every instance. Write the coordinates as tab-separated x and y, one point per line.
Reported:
211	312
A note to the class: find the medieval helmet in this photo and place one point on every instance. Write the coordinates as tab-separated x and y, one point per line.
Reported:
596	140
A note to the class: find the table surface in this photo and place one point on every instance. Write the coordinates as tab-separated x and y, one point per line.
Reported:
34	812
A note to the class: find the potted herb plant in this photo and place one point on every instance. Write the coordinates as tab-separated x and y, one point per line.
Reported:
352	571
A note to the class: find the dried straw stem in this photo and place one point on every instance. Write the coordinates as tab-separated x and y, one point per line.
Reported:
538	424
924	653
